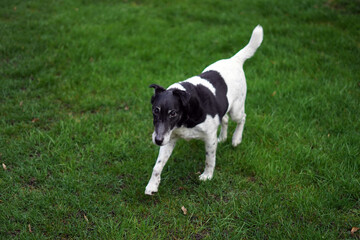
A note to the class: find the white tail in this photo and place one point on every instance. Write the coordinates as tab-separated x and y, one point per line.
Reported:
249	50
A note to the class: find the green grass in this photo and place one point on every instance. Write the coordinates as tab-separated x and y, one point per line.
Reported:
76	124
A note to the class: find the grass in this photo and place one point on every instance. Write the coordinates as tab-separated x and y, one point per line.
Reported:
76	124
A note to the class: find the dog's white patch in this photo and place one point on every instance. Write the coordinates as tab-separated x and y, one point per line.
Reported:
177	86
200	81
196	80
200	131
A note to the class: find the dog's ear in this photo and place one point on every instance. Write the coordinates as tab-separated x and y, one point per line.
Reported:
184	96
158	89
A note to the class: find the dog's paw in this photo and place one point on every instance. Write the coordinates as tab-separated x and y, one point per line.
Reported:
221	139
151	189
236	142
205	176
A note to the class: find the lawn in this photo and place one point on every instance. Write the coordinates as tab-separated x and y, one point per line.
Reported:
76	122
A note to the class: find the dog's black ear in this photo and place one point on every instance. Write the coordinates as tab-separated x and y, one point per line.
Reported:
184	96
158	89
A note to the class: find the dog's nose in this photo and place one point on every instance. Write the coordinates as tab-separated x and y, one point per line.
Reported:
159	140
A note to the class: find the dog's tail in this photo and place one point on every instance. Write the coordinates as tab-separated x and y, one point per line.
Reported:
249	50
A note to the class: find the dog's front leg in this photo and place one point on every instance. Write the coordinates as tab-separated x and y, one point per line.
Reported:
164	154
210	147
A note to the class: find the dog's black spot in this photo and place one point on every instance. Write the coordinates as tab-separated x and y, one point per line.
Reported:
203	102
219	84
174	107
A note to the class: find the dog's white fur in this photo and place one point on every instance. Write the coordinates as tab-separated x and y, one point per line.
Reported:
232	72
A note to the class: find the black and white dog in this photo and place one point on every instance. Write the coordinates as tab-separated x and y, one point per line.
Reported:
197	106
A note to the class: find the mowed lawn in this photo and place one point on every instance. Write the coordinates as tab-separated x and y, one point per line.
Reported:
76	122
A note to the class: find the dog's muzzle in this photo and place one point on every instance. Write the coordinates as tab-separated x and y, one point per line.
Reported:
159	140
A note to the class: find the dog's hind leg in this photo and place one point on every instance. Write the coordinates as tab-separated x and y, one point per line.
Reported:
224	128
210	147
237	114
164	154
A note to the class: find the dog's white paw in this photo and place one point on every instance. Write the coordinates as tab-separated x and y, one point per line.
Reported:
205	176
236	141
151	189
221	139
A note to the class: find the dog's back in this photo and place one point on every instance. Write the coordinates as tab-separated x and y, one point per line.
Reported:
232	69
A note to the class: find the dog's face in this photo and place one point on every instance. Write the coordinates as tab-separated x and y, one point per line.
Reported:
168	108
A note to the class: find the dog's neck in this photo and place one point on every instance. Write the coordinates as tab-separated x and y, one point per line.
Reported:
193	113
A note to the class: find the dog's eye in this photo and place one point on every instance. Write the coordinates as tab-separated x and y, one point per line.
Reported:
172	114
156	110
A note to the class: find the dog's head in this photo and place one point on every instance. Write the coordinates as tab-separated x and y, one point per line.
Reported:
168	108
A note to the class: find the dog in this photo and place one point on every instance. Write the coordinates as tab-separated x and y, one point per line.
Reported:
194	109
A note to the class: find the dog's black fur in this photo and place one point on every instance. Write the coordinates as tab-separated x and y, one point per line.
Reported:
174	107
